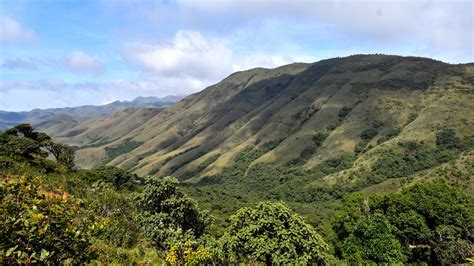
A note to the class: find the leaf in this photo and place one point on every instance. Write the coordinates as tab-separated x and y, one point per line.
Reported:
10	251
44	254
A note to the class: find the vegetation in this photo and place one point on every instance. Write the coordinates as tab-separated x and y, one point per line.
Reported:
39	224
416	157
272	233
55	214
166	213
430	223
126	146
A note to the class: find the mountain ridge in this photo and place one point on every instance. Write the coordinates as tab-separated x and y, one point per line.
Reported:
310	113
67	117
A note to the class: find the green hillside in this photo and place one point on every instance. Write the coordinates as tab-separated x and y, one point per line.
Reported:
363	122
333	140
53	213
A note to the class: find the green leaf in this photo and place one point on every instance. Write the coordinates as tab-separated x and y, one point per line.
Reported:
10	251
44	254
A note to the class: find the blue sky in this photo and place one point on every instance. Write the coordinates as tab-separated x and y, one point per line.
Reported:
57	53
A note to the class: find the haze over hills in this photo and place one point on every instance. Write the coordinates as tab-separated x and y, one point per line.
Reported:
54	120
357	112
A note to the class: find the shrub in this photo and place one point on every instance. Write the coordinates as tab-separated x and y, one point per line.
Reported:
114	175
42	225
319	138
368	134
447	139
344	112
273	234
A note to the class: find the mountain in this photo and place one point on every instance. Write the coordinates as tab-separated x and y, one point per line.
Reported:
300	132
56	120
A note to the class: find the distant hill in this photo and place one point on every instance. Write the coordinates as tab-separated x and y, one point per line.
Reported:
55	120
301	132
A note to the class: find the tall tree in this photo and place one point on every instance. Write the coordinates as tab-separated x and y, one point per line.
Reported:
166	212
64	154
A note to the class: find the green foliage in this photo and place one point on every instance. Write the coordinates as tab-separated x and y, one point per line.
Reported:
166	212
272	233
270	145
319	138
200	168
62	152
25	129
114	175
389	135
103	213
343	112
447	139
189	251
372	241
118	208
19	146
42	225
432	222
416	157
368	134
443	218
126	146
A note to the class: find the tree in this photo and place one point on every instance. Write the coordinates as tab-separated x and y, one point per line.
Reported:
272	233
372	241
21	146
12	132
63	153
41	137
25	129
111	174
166	212
434	222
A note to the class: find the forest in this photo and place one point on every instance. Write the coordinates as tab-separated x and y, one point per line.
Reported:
55	213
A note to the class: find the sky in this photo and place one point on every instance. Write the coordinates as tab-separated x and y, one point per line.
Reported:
58	53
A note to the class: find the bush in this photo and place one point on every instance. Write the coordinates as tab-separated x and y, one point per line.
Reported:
273	234
113	175
447	139
344	112
319	138
42	225
368	134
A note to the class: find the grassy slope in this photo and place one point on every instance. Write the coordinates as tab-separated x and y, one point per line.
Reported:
403	98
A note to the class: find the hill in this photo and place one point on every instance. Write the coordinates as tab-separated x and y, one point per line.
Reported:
302	133
324	138
56	120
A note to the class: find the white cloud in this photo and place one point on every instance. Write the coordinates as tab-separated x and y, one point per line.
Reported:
189	62
12	31
188	55
439	28
83	63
